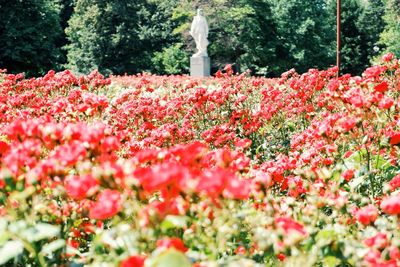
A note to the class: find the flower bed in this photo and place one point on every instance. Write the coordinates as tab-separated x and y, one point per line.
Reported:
173	171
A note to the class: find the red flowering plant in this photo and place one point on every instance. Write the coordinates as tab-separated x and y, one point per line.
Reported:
174	171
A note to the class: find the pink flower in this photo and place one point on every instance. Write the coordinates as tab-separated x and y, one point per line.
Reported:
212	182
395	138
394	253
290	226
348	123
107	205
382	87
391	205
357	101
172	242
133	261
348	174
385	103
237	188
395	182
374	72
243	143
379	241
80	187
367	215
70	154
388	57
3	147
109	144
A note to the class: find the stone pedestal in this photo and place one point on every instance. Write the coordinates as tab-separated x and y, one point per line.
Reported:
200	66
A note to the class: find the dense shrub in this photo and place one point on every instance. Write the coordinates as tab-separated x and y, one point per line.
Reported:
227	171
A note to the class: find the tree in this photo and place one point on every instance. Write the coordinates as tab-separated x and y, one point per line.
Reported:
353	50
371	24
171	60
241	31
157	25
118	36
391	34
361	25
306	34
29	32
67	7
104	35
265	35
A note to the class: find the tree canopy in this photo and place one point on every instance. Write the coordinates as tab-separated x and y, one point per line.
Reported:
30	33
130	36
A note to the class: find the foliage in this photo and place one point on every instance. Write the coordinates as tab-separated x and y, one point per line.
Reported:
361	25
391	34
306	34
157	26
241	32
173	171
27	44
171	60
67	8
268	37
372	24
104	35
117	36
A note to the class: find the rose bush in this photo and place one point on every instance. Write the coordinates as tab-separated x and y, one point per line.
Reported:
174	171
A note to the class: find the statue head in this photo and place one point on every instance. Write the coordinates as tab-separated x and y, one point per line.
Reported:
200	12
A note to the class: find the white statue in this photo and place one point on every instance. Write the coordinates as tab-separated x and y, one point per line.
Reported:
199	31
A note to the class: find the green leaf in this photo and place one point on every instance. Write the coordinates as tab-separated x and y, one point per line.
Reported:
21	196
4	235
10	250
173	221
336	175
355	160
3	225
330	261
53	246
9	182
326	236
380	163
171	257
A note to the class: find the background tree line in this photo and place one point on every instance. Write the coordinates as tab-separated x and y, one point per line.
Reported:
131	36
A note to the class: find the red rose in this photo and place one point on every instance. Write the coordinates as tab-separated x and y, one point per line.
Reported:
290	226
367	215
388	57
133	261
348	123
173	242
386	103
382	87
395	138
394	253
379	241
80	187
240	250
395	182
107	205
281	256
348	174
3	147
391	205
